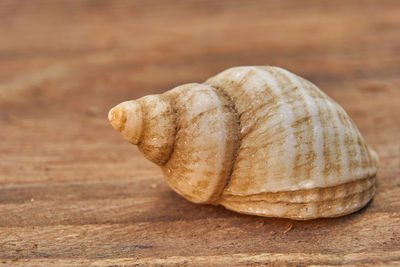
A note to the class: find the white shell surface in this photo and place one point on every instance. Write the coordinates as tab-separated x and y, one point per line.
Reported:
293	136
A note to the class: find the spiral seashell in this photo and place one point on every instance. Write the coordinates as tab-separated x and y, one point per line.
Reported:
258	140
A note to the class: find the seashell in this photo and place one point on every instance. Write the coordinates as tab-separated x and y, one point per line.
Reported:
258	140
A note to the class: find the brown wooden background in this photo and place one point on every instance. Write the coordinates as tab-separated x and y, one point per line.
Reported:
72	191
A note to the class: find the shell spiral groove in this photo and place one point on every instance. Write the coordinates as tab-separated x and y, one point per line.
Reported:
258	140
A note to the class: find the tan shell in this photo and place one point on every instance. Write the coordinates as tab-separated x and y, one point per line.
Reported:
257	140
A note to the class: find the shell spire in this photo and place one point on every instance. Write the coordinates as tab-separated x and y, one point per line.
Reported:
149	123
127	118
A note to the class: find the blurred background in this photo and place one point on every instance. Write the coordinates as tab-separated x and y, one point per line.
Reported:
64	64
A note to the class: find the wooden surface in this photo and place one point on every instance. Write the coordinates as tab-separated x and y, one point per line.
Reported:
73	192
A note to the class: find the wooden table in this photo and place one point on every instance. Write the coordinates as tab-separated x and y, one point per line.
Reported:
73	192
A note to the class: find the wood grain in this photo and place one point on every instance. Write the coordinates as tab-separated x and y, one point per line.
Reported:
72	192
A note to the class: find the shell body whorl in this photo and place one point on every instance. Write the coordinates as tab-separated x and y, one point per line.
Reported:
257	140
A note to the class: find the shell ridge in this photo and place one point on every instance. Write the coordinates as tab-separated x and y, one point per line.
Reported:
326	131
300	157
286	109
349	140
144	123
317	139
335	160
359	193
236	151
173	106
368	181
364	157
341	150
305	211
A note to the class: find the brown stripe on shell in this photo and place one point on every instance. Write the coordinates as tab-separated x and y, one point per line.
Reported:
277	134
237	137
325	120
348	141
244	95
366	160
288	92
356	146
325	116
364	157
334	108
237	85
252	115
304	160
158	129
336	162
